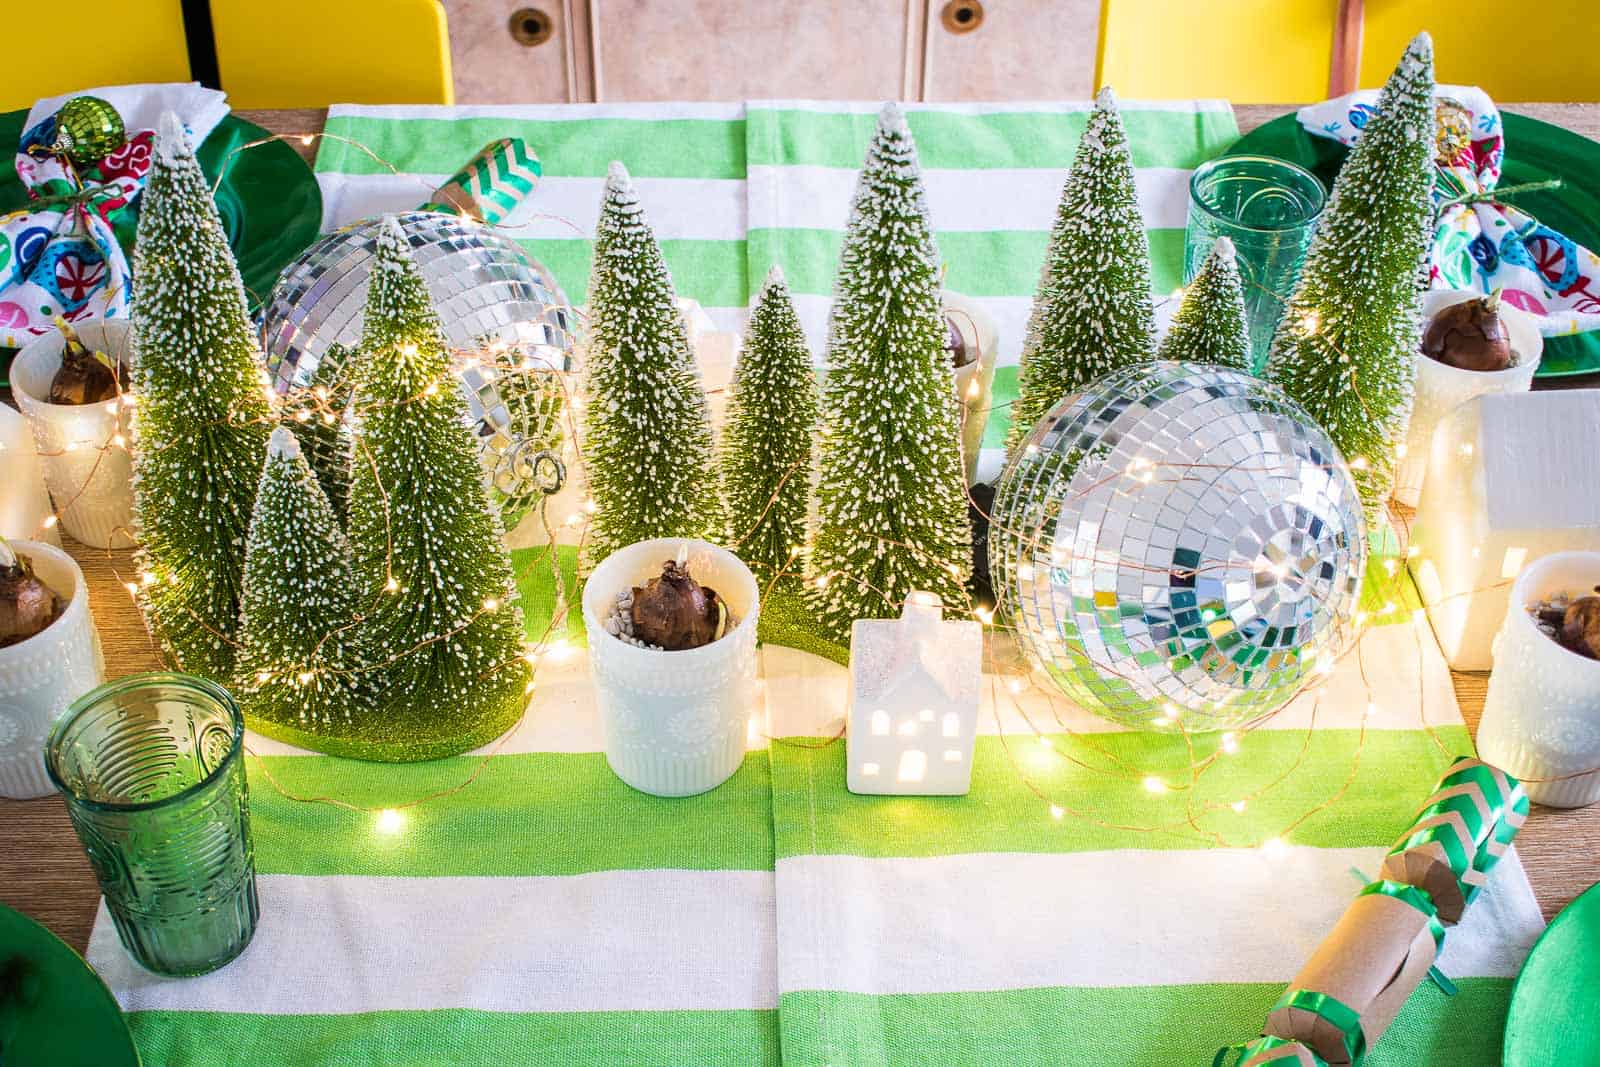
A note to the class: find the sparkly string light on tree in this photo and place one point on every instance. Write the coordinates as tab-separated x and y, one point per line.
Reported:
297	664
892	506
1210	326
647	446
441	628
1346	348
766	446
202	419
1092	313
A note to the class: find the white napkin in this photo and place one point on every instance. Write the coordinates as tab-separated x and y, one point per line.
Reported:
141	106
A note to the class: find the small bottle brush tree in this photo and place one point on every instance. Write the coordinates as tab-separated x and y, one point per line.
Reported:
1092	313
647	432
297	667
1347	344
892	507
1211	326
322	429
440	630
202	418
766	445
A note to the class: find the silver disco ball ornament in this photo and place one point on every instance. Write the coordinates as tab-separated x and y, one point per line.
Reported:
503	312
1179	544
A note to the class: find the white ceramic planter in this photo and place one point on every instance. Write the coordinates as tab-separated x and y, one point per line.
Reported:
24	505
675	722
39	677
1441	388
89	475
1541	718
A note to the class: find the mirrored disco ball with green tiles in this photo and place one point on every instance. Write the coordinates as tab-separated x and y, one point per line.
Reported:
1179	543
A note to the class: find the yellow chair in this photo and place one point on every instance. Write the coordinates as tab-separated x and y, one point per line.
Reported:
143	41
312	53
1543	52
1246	51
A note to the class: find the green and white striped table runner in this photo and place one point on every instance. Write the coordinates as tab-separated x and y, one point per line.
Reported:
548	914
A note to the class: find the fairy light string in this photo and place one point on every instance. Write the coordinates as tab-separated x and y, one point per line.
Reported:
1078	751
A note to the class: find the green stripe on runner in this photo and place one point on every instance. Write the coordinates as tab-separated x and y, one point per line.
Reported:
539	813
952	140
979	263
1394	770
712	272
1166	1025
459	1036
578	147
537	585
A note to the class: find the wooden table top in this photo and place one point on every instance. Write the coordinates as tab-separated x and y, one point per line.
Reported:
43	871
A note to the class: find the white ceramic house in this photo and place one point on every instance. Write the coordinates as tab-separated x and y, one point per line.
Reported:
1511	477
914	694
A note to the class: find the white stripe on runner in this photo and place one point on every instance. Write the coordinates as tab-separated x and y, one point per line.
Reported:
703	209
1407	687
1004	107
992	921
959	201
651	940
543	112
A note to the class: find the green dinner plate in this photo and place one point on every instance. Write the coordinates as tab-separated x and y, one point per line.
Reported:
54	1010
1554	1005
1535	151
269	200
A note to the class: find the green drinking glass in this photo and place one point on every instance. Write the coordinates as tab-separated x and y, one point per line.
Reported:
152	768
1268	208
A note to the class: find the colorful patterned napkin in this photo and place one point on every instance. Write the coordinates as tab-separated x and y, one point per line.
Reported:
1481	242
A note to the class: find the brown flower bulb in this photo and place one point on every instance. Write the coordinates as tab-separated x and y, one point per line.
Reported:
1469	336
84	377
27	605
1580	627
674	611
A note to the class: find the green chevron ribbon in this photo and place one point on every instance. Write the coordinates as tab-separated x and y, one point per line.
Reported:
492	185
1236	1055
1508	804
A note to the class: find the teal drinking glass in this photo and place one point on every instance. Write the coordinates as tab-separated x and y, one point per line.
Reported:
1268	208
152	768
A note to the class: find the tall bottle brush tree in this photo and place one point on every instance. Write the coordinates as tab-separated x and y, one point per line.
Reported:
766	447
202	417
1092	313
299	671
892	507
441	629
1347	344
1211	326
647	432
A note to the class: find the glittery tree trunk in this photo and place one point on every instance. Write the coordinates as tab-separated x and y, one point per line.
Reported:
1346	347
1092	313
440	627
1211	326
202	418
767	445
647	447
892	501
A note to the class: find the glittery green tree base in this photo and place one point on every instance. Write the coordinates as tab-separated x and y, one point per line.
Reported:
786	620
398	737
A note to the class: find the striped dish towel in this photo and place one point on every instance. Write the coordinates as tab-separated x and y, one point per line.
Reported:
733	188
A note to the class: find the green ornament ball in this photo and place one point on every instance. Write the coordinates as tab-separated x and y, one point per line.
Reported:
88	129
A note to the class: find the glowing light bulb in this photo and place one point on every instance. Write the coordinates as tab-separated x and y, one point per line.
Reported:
263	676
390	822
49	521
391	585
590	506
131	587
491	604
303	677
1056	812
1274	847
1230	743
1153	784
1359	463
432	389
822	581
305	139
302	415
973	389
1015	686
983	615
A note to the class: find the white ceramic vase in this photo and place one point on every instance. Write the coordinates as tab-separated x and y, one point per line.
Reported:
675	722
39	677
1541	718
1442	388
90	475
